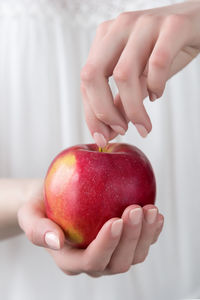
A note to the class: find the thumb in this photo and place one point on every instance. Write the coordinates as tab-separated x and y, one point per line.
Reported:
38	229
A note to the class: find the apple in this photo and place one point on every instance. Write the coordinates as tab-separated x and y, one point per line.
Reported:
84	187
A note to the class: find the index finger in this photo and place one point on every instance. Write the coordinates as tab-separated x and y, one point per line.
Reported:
95	76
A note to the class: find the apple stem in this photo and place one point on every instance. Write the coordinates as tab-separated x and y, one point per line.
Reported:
104	149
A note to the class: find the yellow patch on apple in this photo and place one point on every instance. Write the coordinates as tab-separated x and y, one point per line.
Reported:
74	236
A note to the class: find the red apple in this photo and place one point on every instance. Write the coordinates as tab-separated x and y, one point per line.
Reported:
85	187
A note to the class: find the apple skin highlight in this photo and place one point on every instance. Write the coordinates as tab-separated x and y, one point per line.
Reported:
85	187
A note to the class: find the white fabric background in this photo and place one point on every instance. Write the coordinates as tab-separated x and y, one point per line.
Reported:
43	45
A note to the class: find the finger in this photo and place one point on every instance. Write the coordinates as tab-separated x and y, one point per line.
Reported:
118	101
40	230
101	132
95	257
99	252
128	73
119	105
101	99
95	79
123	255
101	31
173	36
149	227
160	222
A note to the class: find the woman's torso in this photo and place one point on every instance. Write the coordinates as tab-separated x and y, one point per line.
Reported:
43	45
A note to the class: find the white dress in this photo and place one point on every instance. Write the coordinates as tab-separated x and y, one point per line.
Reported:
43	45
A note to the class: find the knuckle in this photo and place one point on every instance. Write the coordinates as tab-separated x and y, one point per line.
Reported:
160	59
121	73
103	27
146	19
88	73
176	20
149	20
101	116
125	19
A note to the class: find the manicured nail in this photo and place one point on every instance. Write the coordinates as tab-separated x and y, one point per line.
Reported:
153	97
99	139
141	129
135	215
52	240
118	129
116	228
151	215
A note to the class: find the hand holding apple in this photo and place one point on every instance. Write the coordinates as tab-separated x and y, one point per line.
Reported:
84	187
120	243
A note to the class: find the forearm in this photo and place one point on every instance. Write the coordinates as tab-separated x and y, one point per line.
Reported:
13	194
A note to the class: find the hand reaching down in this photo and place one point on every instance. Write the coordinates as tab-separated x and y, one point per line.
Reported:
141	50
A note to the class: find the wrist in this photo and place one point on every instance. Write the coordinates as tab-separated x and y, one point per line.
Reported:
13	194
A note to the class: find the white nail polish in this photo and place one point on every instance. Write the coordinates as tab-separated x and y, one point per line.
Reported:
99	139
151	215
52	240
135	215
116	228
142	130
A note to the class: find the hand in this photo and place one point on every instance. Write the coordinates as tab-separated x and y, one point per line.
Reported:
142	50
120	243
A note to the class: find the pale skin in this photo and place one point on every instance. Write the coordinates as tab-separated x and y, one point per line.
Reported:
142	50
171	37
120	243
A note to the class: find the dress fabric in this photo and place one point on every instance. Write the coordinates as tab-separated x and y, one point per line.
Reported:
43	45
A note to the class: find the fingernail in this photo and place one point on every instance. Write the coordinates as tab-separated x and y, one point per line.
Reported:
151	215
99	139
135	215
141	129
116	228
118	129
153	97
52	240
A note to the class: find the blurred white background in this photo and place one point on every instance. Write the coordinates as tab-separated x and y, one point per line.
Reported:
43	45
